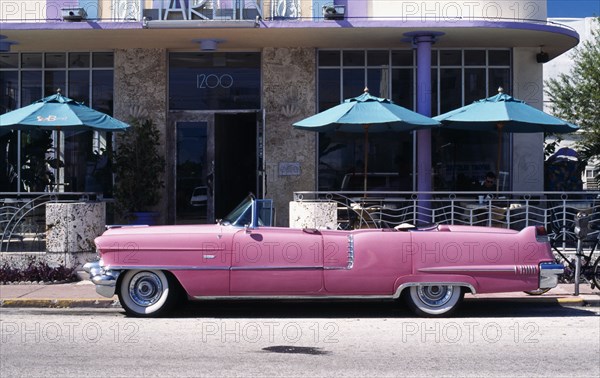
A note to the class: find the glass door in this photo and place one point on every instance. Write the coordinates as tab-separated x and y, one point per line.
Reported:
193	172
218	161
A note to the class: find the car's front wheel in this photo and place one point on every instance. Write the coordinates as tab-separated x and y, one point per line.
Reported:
146	293
434	300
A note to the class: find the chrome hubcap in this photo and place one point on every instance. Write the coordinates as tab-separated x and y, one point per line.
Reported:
435	296
145	289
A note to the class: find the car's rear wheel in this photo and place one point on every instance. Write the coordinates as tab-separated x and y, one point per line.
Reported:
147	293
434	300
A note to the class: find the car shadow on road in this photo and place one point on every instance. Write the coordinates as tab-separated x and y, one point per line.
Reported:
479	308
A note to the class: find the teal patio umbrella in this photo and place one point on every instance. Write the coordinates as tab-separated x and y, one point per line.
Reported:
365	114
57	112
503	113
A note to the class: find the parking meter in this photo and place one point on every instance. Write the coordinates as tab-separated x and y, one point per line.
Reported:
582	225
582	229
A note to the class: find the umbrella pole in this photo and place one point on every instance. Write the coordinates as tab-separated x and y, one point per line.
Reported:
19	161
366	160
57	177
499	126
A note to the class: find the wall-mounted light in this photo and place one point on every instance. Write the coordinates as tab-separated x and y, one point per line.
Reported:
5	45
208	44
542	57
73	14
334	12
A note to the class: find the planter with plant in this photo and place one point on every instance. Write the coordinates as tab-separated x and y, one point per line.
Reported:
138	166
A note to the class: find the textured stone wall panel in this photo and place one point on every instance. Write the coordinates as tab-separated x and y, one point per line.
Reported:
319	215
72	227
288	96
141	82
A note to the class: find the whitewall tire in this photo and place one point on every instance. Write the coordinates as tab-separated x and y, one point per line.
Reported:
146	293
434	300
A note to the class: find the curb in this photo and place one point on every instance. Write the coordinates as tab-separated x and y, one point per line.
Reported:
587	301
114	303
59	303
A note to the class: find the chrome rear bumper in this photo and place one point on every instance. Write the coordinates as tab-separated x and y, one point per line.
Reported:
104	279
549	273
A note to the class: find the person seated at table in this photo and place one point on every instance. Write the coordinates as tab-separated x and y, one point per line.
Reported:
489	184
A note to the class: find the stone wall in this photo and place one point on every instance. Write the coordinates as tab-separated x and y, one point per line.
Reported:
141	84
319	215
288	96
73	226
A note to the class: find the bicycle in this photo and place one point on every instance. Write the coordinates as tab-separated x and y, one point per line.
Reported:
589	271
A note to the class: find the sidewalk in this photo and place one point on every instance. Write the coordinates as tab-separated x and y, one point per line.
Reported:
68	295
83	294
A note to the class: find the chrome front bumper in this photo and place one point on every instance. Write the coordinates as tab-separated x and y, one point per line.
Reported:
104	279
549	273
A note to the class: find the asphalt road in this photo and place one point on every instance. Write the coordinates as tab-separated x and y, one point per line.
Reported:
349	339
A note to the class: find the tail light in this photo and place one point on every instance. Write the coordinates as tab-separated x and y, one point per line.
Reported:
541	235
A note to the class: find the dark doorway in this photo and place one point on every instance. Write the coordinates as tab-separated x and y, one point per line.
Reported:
235	160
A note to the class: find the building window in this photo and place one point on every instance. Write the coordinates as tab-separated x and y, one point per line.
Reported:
459	77
83	76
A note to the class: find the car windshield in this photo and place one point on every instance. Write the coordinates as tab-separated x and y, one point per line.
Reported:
242	214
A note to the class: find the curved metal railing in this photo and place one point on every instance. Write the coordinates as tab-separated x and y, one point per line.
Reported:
512	210
22	218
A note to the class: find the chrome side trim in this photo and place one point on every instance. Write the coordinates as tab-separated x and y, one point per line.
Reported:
549	273
410	284
527	269
457	269
316	297
165	267
350	251
184	267
174	249
276	268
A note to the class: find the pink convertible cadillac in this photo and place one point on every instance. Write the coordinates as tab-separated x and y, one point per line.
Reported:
152	268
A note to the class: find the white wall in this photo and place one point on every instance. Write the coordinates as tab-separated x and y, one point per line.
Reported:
527	150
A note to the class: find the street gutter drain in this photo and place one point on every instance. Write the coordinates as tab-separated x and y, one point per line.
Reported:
295	350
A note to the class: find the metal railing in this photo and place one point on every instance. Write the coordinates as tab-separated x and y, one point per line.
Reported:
23	218
511	210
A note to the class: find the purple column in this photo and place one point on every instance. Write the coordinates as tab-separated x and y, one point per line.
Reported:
423	42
